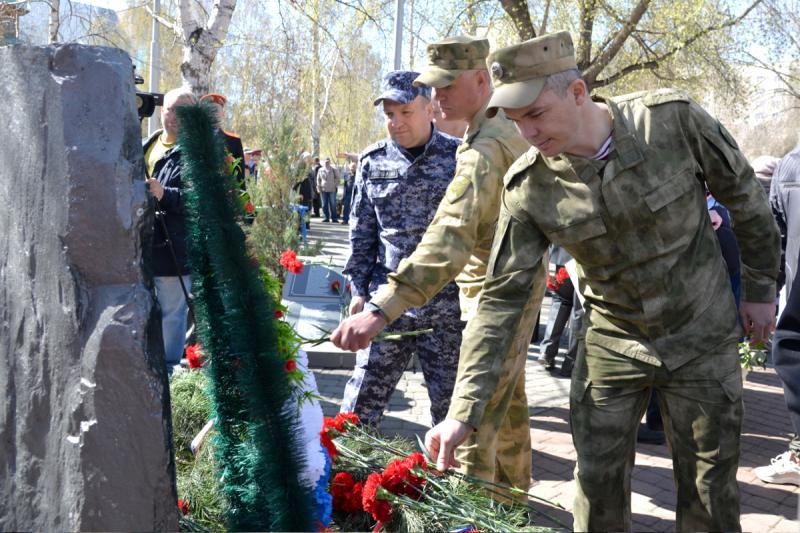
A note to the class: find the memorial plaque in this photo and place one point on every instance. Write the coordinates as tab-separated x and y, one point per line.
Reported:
314	304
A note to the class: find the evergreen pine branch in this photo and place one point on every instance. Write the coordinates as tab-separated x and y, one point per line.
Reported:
258	452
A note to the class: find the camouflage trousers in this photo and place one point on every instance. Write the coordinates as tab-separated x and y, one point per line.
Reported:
499	449
380	366
701	404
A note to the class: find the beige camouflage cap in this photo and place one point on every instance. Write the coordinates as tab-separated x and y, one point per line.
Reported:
447	59
519	72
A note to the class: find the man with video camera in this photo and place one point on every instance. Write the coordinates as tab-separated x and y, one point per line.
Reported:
170	270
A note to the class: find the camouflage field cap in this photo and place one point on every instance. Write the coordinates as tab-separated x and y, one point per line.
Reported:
447	59
397	86
519	72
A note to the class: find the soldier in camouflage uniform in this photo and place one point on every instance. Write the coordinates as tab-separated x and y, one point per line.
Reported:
399	183
619	185
456	246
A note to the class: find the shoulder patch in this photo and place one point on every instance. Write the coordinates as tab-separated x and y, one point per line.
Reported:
457	188
372	148
664	96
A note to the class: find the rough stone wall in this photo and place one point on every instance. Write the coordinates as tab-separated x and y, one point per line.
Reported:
85	433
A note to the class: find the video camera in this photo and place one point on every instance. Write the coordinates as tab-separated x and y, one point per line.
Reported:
146	102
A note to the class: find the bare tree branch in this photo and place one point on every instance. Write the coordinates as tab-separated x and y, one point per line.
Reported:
591	73
543	27
169	24
583	55
652	64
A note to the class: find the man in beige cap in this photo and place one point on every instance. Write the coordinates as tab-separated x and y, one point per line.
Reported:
619	185
456	246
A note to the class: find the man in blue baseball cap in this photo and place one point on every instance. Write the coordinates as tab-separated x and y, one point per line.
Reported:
398	186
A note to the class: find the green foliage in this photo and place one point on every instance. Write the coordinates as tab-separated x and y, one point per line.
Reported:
750	356
191	409
198	484
275	227
257	451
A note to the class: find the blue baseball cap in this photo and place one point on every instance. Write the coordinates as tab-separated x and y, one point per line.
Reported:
398	86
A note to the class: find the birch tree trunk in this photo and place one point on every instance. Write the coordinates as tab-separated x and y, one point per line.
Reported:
202	39
316	119
54	21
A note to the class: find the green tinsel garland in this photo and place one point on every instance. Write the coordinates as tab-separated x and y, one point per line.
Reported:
258	453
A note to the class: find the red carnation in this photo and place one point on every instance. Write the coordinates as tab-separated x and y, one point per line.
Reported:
250	208
346	493
415	483
394	477
194	355
295	267
183	506
348	417
551	283
291	365
562	275
371	500
353	504
327	441
278	314
228	159
287	258
335	285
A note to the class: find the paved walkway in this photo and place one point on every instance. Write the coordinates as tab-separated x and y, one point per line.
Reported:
765	434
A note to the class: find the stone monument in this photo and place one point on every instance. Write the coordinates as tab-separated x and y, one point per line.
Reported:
316	302
85	431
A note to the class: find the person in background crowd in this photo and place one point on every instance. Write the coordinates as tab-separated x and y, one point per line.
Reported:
349	184
785	202
764	166
171	277
316	202
327	186
252	160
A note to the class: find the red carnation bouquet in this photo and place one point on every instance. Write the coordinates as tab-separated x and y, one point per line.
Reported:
380	484
290	262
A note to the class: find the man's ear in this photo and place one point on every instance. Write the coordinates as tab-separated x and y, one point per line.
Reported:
578	90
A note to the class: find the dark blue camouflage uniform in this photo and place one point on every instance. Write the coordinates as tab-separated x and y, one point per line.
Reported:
395	199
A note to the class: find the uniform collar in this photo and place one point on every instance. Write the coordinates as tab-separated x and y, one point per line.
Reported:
477	121
626	152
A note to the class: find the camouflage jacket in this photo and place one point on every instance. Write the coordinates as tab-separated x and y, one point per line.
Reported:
649	264
458	241
394	200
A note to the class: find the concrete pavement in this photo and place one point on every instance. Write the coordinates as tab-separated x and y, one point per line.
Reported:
766	432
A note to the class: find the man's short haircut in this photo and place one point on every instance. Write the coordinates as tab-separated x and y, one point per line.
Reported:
559	82
181	93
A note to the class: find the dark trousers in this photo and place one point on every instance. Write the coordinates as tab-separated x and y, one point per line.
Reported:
786	358
348	198
316	203
557	319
